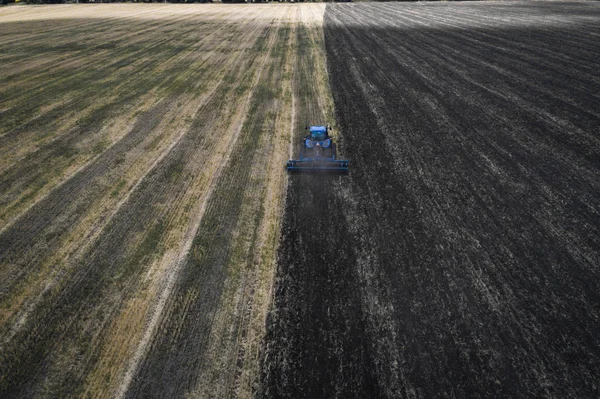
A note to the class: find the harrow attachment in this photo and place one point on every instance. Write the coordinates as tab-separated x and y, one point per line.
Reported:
310	165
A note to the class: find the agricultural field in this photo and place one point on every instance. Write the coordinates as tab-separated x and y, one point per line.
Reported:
152	245
141	192
461	256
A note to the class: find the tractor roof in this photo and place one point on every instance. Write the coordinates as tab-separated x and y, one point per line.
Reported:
318	129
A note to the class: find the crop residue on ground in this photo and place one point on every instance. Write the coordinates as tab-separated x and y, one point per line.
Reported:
141	190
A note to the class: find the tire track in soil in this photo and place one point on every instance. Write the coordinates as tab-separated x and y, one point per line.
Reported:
477	211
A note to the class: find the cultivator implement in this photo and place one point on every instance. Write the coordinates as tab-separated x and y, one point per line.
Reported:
318	154
311	165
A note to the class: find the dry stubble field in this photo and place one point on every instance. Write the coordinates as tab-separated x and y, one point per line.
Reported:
141	187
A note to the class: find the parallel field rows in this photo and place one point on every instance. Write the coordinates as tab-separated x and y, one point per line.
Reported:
460	257
141	188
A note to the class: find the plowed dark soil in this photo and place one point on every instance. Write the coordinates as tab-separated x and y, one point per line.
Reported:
460	257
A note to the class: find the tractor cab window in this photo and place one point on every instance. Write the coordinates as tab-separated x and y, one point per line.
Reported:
318	136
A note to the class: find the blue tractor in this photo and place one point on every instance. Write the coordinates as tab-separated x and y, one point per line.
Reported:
318	154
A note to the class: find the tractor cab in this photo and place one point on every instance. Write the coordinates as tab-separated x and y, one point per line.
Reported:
318	137
318	133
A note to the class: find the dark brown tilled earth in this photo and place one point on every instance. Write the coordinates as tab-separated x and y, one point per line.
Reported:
318	344
460	257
